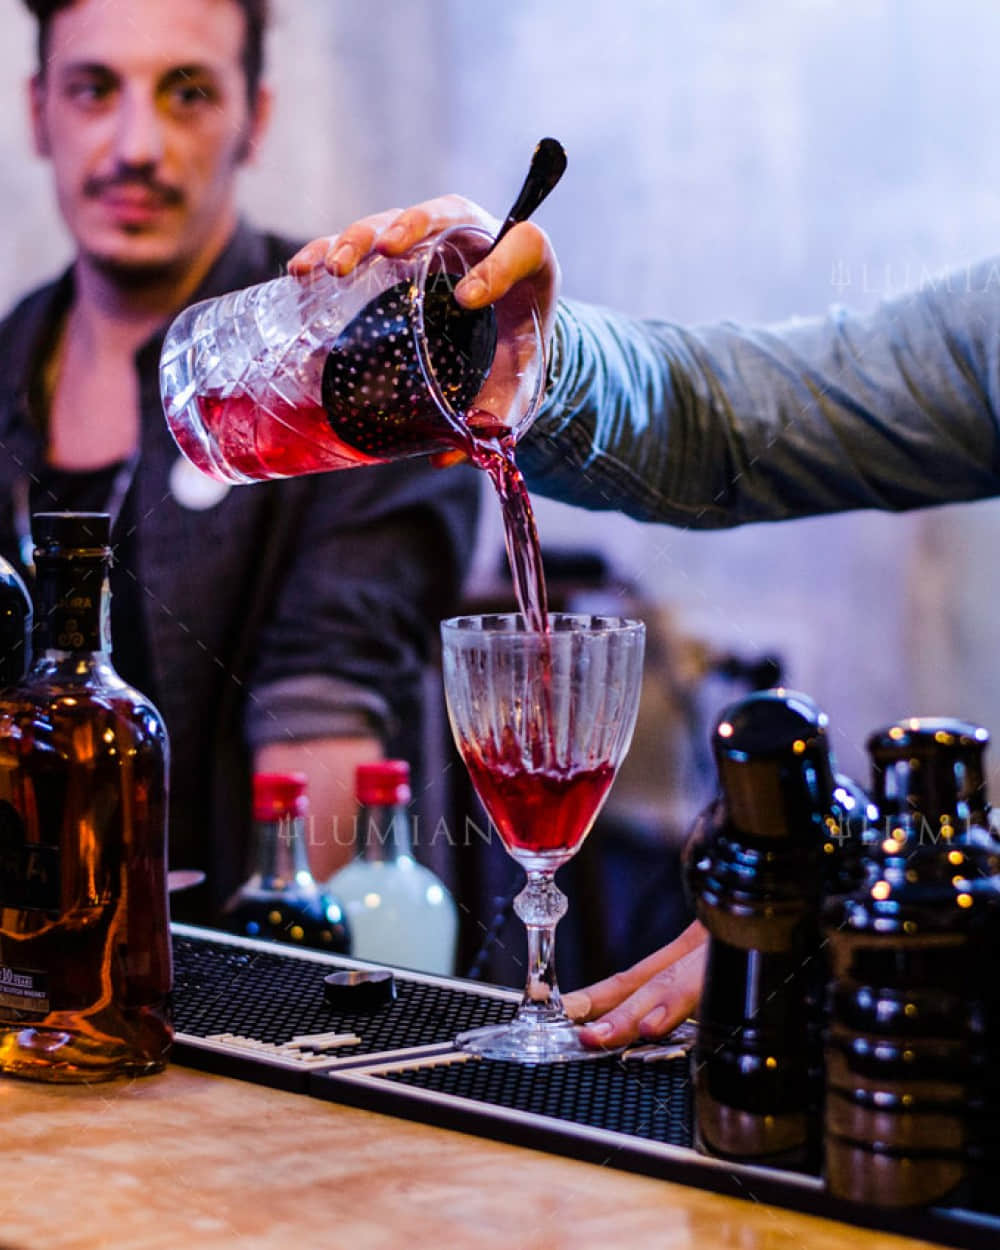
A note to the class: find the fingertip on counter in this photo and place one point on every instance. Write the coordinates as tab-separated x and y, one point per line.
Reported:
597	1034
576	1004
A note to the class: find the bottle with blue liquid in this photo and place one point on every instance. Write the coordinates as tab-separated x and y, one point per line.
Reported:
280	900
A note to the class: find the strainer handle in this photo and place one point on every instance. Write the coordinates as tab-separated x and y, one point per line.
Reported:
548	162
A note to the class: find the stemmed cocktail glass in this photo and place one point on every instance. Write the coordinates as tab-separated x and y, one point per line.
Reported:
542	721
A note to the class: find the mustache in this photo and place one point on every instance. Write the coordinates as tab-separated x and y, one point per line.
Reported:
96	186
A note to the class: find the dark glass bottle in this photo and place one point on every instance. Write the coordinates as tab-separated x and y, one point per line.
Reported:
911	1098
85	964
280	900
755	870
15	626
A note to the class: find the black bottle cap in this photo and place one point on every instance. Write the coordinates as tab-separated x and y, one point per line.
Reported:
930	769
63	533
774	764
360	989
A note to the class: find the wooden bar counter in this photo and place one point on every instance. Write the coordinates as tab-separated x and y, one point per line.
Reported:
190	1160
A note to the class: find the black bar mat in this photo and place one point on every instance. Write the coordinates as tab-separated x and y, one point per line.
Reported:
238	1003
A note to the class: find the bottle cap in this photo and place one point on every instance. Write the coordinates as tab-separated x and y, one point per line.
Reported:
926	768
360	989
774	763
383	784
279	794
60	533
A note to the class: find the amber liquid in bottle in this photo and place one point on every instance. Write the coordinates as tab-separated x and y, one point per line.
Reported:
85	964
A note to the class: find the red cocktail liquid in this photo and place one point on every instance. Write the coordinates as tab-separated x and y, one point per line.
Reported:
496	458
269	441
544	811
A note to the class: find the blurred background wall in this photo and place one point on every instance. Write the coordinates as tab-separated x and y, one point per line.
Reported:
728	159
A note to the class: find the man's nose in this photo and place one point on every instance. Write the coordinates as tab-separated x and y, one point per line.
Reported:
139	136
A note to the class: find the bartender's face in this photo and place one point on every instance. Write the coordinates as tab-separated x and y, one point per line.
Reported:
142	109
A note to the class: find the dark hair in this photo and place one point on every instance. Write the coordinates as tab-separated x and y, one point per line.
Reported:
254	11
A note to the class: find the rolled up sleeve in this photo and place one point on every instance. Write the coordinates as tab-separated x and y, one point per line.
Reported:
724	424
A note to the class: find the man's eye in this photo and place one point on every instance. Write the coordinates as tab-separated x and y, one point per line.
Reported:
89	92
189	95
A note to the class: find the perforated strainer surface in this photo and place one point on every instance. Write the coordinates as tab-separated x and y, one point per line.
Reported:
374	390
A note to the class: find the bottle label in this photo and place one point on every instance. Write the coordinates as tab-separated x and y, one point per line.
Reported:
23	990
72	605
29	871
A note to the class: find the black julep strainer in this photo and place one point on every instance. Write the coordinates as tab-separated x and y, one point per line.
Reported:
403	372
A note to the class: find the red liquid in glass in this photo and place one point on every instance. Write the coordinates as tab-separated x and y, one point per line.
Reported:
272	441
544	811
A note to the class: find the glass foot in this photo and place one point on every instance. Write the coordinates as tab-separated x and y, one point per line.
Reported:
528	1042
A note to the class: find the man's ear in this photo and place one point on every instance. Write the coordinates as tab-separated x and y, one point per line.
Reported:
36	108
260	119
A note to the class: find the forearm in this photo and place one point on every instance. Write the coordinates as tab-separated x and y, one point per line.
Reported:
329	764
722	425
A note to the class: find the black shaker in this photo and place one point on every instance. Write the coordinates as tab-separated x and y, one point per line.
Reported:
911	1102
755	869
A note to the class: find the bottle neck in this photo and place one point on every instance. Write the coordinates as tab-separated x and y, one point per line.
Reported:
278	853
384	833
74	606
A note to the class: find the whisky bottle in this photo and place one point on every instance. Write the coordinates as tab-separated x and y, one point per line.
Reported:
85	962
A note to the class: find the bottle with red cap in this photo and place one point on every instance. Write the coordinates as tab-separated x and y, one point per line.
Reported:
280	900
400	913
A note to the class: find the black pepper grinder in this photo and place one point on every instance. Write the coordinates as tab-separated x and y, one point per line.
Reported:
911	1098
755	869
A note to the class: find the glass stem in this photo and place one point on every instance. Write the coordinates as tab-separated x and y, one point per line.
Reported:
541	905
